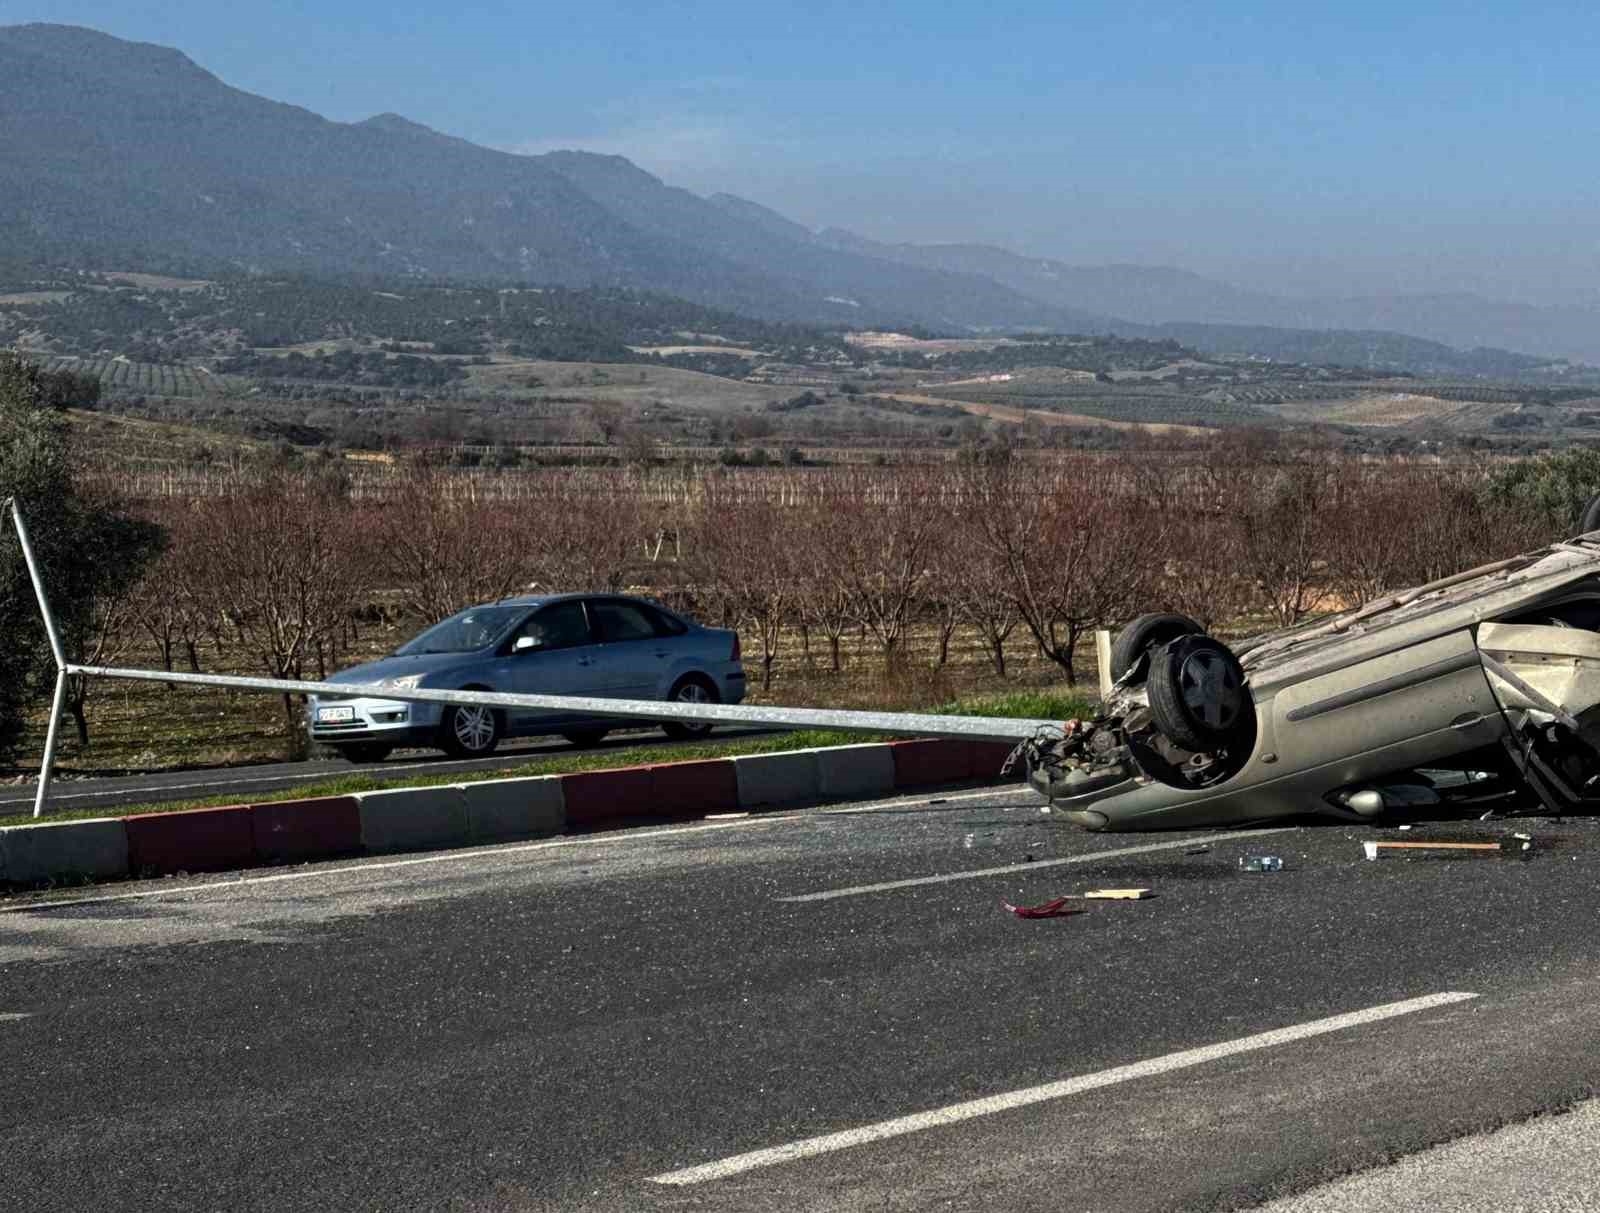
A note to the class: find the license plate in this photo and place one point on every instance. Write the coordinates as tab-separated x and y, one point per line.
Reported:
334	715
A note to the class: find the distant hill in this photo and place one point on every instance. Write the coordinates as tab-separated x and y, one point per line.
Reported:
113	151
124	155
1161	295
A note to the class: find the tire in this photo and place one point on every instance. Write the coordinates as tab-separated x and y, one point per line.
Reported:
1145	633
1590	521
1198	696
365	751
470	731
691	689
586	739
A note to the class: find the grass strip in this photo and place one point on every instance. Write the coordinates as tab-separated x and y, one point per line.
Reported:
1039	705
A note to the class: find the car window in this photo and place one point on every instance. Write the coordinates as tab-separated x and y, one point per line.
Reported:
666	625
559	626
472	629
623	621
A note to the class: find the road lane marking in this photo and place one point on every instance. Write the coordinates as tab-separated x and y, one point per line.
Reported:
924	798
993	1104
465	855
12	1016
1034	865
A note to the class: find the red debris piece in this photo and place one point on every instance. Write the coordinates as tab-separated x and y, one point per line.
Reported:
1050	909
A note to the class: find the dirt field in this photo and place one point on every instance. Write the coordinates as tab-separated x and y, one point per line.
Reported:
1000	412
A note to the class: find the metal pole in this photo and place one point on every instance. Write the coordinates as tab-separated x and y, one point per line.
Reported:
48	764
38	586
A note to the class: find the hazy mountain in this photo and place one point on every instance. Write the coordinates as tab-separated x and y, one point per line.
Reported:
117	154
1159	295
113	150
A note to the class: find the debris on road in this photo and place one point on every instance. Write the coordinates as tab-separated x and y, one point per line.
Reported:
1058	908
1050	909
1372	848
1260	863
1202	849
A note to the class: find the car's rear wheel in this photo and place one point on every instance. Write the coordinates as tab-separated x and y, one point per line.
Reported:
1198	697
691	689
470	730
586	739
366	751
1145	633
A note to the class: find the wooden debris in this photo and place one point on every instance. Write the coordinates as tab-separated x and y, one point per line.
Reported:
1118	894
1372	848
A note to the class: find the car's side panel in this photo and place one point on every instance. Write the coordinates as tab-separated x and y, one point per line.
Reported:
1379	702
1423	705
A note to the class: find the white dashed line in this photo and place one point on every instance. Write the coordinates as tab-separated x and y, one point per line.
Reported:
1034	865
956	1113
12	1016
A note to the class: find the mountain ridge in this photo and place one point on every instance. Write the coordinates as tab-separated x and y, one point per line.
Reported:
127	152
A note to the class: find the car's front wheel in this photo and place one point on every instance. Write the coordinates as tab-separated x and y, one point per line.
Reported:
691	690
366	751
469	730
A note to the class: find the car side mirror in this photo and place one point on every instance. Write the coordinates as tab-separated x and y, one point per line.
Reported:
526	644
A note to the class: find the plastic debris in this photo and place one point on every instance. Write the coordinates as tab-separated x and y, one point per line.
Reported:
1405	827
1050	909
967	841
1260	863
1202	849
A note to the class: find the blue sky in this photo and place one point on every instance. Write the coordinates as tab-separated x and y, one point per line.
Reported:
1302	146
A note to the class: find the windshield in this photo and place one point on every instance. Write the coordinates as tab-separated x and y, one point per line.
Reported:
472	629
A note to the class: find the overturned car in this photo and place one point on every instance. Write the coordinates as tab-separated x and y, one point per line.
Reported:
1479	691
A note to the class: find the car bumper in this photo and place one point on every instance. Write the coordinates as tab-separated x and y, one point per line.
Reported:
331	721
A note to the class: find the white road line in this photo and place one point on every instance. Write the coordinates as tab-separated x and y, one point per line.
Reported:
465	855
1089	857
956	1113
12	1016
923	798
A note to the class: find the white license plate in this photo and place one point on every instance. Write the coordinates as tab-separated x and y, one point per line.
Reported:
335	715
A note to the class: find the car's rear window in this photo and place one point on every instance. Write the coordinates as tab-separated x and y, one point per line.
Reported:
466	632
624	621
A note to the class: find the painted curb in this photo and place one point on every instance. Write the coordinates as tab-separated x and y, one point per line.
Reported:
196	840
776	779
855	772
501	810
419	819
693	789
596	796
413	819
284	831
96	847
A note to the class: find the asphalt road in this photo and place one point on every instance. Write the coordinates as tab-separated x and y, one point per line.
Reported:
823	1010
112	792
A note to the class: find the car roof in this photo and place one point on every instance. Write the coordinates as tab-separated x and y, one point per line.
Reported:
534	600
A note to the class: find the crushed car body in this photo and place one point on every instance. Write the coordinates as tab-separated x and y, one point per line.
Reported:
1481	690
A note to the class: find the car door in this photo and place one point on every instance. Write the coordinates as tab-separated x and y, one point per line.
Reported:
563	660
635	655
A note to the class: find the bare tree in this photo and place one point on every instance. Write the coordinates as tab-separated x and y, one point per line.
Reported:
279	566
442	547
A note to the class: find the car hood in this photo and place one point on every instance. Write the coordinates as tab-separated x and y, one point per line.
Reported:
401	667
